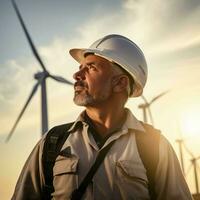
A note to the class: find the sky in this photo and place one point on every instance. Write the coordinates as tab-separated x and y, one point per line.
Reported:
167	32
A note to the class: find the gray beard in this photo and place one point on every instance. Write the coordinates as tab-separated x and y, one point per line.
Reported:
88	100
83	100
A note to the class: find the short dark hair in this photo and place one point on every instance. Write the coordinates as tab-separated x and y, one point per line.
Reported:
131	80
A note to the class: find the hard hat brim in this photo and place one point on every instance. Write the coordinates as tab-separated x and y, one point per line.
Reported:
79	54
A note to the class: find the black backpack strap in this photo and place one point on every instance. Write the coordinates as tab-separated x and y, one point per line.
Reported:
78	193
53	143
148	148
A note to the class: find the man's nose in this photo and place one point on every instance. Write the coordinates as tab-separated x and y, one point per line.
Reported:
79	75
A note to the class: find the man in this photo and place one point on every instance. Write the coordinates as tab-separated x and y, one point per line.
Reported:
111	70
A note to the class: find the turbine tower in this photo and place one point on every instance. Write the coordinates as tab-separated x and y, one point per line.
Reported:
195	166
194	163
146	107
41	81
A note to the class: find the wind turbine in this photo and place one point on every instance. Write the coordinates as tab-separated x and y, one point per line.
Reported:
194	164
41	80
146	107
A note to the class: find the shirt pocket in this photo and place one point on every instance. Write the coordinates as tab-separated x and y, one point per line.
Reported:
65	165
131	170
131	179
65	176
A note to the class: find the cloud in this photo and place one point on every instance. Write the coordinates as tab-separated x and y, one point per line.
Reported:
13	77
164	25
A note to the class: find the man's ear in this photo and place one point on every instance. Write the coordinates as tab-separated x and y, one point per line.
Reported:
120	83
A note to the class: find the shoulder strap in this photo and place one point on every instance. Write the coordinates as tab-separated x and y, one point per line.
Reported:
148	148
53	143
78	193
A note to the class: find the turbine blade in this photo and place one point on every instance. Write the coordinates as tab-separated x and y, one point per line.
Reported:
23	110
187	150
146	105
34	50
157	97
61	79
145	100
150	115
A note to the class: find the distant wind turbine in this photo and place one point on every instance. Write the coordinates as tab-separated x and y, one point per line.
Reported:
41	80
194	164
146	107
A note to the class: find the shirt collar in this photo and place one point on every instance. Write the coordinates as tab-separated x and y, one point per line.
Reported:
131	122
78	123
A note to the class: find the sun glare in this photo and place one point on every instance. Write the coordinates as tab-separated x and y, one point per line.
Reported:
190	122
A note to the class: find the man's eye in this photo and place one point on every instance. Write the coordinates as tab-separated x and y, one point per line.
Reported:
91	66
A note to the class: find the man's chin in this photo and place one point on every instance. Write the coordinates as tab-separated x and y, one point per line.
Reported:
79	103
82	101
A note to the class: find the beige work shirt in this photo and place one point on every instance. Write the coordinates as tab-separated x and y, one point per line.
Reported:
120	176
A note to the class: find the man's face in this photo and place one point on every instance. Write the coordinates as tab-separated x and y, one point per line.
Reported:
93	84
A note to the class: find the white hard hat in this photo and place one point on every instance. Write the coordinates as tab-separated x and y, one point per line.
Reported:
124	52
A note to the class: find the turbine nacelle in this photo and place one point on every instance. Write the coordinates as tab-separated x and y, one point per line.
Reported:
40	75
146	107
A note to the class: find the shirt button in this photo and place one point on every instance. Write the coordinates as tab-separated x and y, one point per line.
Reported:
98	143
